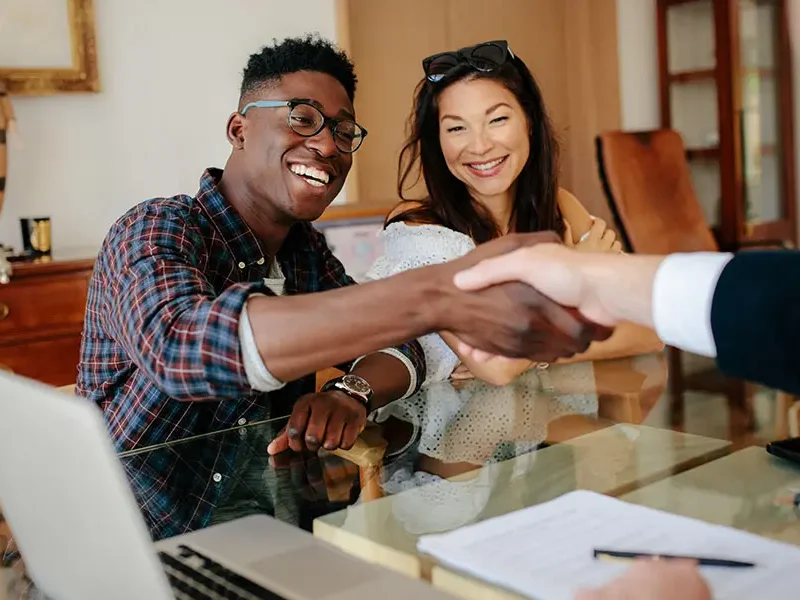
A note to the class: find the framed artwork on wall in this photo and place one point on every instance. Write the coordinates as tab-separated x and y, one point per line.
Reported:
48	46
355	242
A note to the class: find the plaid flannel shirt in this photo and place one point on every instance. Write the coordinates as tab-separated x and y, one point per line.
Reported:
221	477
160	352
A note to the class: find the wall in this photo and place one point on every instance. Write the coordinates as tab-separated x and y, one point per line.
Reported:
794	33
170	73
638	66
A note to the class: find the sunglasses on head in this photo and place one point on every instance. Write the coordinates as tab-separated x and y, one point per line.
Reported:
486	56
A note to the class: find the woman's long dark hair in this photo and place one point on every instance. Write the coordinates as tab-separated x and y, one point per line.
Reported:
448	202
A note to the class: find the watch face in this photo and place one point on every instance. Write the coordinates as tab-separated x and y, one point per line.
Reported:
357	384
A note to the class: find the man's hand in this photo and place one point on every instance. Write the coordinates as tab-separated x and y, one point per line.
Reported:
550	268
509	318
319	478
654	580
326	419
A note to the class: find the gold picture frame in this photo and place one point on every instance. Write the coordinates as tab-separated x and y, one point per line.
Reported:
80	76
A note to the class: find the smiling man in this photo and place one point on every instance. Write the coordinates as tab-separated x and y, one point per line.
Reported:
203	312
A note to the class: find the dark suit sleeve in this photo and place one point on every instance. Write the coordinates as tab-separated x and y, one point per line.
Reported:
755	318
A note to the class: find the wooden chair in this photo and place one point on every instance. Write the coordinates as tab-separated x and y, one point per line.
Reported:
648	183
787	421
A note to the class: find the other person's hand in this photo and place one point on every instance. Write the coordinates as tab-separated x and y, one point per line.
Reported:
654	580
512	319
553	269
329	420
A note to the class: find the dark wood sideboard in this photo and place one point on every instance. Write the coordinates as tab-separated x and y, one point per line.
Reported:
42	308
41	317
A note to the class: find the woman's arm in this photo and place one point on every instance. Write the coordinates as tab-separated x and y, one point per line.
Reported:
498	370
589	234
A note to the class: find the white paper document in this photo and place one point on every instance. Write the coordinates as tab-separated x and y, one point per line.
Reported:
546	551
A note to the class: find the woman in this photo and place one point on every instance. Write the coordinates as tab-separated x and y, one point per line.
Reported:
482	139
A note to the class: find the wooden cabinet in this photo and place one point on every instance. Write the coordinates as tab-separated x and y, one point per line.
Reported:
41	318
42	308
726	86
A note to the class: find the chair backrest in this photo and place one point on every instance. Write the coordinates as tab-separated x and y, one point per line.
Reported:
649	187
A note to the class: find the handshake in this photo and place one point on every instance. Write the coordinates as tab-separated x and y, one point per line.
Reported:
525	296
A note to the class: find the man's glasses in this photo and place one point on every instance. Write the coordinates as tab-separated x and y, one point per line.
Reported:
307	120
486	56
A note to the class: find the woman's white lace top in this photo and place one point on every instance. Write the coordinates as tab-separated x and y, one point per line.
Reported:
410	247
482	425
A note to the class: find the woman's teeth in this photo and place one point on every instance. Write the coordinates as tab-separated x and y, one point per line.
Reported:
487	165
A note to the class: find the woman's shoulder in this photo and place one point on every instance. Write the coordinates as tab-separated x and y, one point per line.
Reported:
409	246
413	232
404	209
409	220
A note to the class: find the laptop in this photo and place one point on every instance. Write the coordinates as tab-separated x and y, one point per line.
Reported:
82	537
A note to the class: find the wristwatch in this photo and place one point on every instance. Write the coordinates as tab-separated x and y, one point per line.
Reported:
352	385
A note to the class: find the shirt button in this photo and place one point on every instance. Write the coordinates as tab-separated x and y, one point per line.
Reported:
217	477
242	421
261	260
242	265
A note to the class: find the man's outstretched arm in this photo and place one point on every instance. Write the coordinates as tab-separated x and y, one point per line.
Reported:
161	308
297	335
741	309
670	294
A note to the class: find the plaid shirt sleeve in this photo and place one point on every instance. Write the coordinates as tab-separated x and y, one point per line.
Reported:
160	307
334	276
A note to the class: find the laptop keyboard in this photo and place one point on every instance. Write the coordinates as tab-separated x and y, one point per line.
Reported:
194	576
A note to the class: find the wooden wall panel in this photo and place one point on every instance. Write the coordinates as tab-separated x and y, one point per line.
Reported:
593	93
569	45
535	31
388	41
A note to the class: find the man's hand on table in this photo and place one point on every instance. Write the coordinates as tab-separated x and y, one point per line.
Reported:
328	420
507	317
654	580
317	477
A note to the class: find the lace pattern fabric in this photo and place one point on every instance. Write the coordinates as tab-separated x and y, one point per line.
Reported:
476	424
482	423
409	247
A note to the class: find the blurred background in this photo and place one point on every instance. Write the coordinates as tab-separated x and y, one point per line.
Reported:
110	103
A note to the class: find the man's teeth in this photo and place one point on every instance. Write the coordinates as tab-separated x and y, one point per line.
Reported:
488	165
313	176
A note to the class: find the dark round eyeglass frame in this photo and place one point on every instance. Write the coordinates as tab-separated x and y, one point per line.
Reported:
331	122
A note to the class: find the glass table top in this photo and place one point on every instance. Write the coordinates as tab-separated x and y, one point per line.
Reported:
450	455
746	490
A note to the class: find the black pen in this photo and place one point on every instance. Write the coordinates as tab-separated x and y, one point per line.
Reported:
616	555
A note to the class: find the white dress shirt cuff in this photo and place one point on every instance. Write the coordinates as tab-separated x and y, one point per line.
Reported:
258	376
683	292
412	372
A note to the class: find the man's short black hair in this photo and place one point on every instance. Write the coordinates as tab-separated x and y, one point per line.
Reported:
308	53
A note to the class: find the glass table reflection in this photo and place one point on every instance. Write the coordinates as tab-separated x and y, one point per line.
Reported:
452	454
